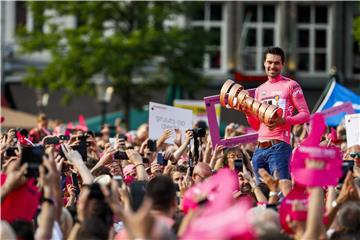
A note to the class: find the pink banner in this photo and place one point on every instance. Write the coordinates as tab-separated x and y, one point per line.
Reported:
214	125
345	107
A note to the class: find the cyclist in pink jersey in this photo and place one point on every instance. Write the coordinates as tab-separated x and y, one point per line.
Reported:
273	151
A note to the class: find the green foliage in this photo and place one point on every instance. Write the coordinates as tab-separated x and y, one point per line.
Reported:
139	38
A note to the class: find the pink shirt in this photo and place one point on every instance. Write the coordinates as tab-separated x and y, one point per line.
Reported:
287	94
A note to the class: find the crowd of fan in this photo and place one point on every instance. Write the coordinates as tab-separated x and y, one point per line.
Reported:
129	187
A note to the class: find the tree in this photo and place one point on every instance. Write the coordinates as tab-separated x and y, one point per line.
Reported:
119	40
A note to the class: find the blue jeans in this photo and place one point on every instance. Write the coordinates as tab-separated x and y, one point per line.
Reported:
276	157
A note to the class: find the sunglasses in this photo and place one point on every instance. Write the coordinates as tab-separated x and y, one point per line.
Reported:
355	154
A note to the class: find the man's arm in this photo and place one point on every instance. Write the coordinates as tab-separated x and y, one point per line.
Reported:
253	121
298	100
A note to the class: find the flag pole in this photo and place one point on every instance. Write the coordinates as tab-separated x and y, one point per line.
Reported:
323	94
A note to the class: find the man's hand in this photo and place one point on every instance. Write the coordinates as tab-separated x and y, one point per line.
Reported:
277	122
15	175
71	155
134	157
177	139
269	180
164	136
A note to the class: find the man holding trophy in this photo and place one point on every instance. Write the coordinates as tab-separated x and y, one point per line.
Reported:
270	113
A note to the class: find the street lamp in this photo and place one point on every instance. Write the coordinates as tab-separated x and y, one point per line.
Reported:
104	91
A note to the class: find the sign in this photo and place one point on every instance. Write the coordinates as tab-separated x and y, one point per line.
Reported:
211	102
352	125
313	165
198	109
288	211
162	117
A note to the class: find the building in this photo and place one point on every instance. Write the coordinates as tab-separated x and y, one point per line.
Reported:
317	37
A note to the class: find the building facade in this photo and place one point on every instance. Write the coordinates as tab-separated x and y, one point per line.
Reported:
317	37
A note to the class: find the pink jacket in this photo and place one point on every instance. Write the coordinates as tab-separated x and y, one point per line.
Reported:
287	94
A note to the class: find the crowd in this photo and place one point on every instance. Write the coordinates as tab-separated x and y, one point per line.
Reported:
77	184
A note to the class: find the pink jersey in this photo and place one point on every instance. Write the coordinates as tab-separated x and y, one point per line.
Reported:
287	94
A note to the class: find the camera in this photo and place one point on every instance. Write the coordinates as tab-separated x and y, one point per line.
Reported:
10	152
81	138
151	145
121	155
198	132
32	155
64	137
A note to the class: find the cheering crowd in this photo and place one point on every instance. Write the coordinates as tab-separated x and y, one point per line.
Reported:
77	184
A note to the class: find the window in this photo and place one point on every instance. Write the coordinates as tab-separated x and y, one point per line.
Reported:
20	14
356	58
211	16
313	47
259	32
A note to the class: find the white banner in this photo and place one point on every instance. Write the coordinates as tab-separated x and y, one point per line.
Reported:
352	124
198	109
162	117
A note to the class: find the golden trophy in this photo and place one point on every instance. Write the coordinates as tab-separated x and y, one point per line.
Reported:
233	96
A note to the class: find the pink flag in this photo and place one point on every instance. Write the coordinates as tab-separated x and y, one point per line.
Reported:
294	207
314	165
228	223
217	190
287	211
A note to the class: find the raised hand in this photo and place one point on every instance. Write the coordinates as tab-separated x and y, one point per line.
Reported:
269	180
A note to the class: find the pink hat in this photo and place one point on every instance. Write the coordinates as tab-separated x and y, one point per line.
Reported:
128	169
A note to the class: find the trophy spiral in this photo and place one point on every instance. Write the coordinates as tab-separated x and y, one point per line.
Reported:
233	95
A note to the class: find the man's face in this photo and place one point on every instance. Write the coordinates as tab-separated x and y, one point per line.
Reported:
273	65
353	153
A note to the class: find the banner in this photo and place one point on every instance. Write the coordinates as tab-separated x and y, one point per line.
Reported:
198	109
337	95
162	117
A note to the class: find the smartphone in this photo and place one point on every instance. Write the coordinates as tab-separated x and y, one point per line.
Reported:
238	165
151	145
160	160
10	152
347	165
122	137
64	137
75	183
146	160
51	140
121	155
32	155
81	148
95	192
119	180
